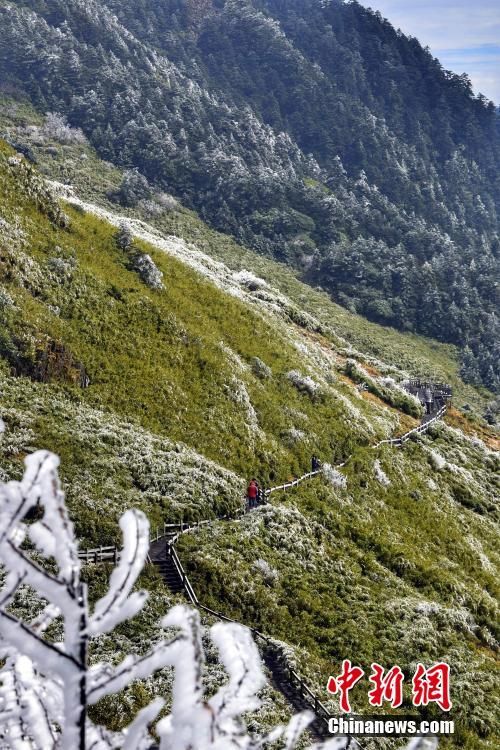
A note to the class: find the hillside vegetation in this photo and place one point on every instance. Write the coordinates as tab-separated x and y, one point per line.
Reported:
167	389
312	131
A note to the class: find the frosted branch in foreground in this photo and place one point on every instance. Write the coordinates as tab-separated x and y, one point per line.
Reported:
45	687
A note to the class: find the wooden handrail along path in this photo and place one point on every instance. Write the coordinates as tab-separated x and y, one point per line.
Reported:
163	552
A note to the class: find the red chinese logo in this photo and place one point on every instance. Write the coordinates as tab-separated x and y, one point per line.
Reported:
344	683
386	688
429	685
432	686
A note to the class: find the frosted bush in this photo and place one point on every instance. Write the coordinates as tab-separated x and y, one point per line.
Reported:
234	357
5	299
238	393
249	280
166	201
437	460
333	476
388	382
151	209
56	127
260	369
148	271
380	475
269	574
303	383
294	436
62	268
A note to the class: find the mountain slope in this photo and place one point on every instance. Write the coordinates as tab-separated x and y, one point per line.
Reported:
314	132
169	398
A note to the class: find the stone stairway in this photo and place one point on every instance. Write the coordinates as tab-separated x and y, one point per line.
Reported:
294	691
165	565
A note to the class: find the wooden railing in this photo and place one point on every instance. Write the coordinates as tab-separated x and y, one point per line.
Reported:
416	430
99	554
292	482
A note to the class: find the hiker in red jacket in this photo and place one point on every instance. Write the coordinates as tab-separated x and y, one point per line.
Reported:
252	494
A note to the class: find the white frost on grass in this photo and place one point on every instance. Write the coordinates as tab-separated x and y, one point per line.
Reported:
234	357
357	419
477	548
238	393
132	465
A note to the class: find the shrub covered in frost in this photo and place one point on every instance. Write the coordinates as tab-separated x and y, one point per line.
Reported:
335	477
133	189
269	574
57	128
166	201
437	460
260	369
5	299
293	436
151	209
158	205
124	237
148	270
380	474
250	280
62	268
303	383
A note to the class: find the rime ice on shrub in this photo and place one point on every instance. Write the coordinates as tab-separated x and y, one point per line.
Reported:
148	271
303	383
437	460
260	369
56	127
250	280
334	476
380	474
269	574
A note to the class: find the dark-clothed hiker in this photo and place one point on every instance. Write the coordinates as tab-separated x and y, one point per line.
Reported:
252	493
428	400
315	463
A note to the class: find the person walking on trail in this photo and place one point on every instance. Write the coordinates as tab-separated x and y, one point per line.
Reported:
428	400
252	494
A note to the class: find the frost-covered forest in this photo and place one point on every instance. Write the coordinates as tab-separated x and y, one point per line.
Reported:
313	132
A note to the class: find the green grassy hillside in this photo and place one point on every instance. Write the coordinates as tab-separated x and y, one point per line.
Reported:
169	397
76	164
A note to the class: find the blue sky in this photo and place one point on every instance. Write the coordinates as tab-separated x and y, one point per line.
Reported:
464	35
